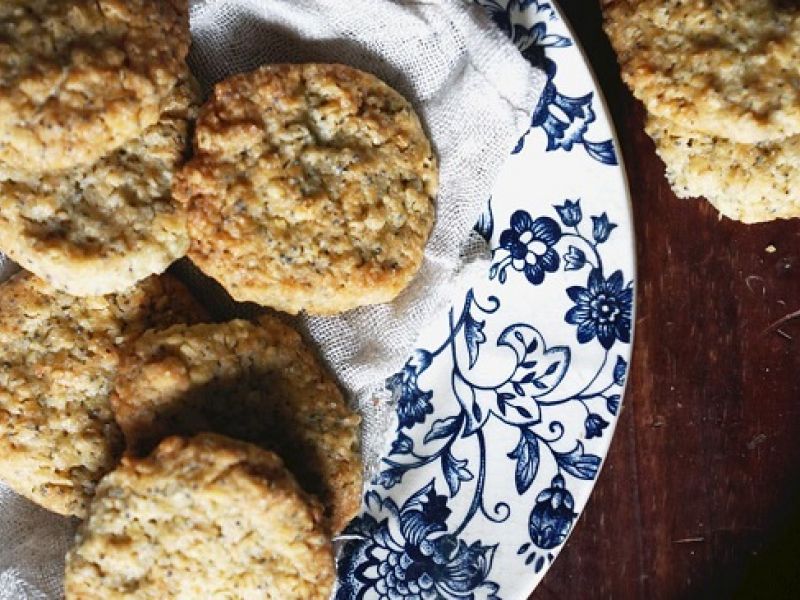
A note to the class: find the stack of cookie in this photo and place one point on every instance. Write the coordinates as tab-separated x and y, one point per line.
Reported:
85	378
61	355
721	84
121	402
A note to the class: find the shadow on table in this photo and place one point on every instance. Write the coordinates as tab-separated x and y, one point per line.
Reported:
775	572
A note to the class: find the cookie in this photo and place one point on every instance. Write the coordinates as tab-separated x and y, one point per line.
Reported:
729	69
255	382
746	182
80	78
60	357
205	517
99	229
312	188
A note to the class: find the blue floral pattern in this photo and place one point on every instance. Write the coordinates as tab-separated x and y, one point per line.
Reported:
505	411
412	403
528	247
424	556
565	119
407	553
602	309
552	515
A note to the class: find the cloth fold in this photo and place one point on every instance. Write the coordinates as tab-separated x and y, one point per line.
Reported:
474	93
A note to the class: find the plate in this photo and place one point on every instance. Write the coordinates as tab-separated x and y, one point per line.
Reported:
506	409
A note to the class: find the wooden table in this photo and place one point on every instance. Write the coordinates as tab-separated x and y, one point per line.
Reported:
699	495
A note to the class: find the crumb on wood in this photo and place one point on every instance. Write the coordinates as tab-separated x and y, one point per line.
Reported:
756	441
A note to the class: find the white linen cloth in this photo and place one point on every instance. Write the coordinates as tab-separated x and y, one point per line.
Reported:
474	93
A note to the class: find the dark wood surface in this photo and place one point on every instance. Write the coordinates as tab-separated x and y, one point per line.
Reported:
699	495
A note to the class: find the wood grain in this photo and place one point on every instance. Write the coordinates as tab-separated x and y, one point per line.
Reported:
699	494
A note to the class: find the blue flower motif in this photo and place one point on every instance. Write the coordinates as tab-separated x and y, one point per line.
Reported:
408	554
541	7
594	425
564	119
552	515
528	247
570	212
602	309
390	477
601	228
413	405
485	224
620	368
499	13
532	41
402	445
553	124
574	259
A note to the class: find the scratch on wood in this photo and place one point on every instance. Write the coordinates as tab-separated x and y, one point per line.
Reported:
784	319
751	280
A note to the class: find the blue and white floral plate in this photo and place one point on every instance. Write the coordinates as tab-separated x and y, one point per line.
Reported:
506	409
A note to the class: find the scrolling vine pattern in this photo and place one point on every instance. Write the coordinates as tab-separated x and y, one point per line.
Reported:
416	549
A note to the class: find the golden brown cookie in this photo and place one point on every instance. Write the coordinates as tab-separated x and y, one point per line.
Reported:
312	188
79	78
205	517
727	68
99	229
255	382
746	182
60	357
